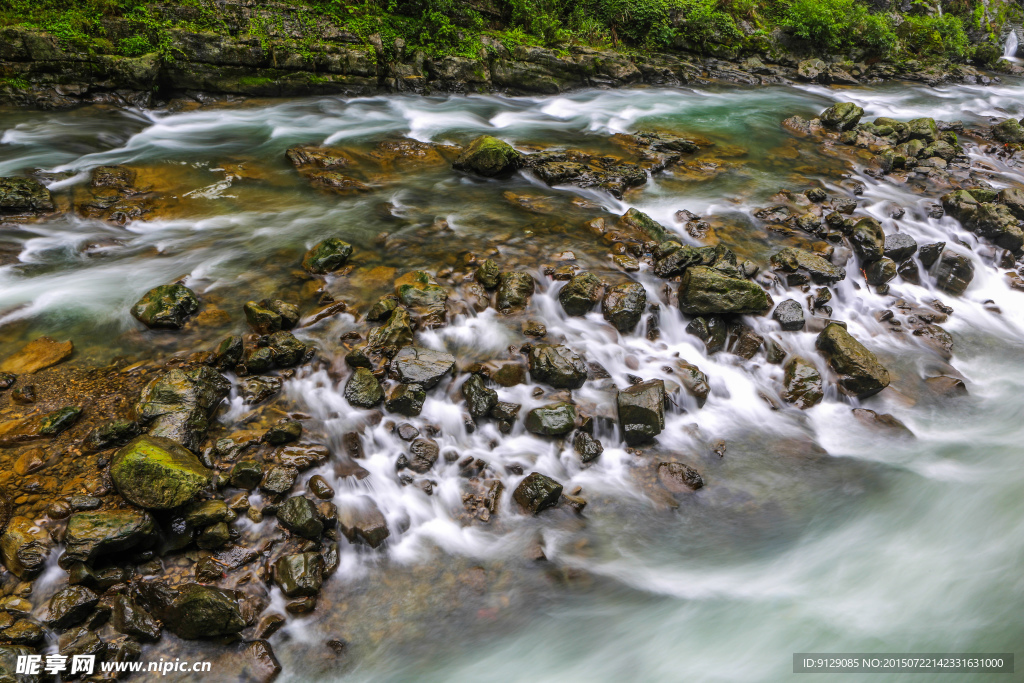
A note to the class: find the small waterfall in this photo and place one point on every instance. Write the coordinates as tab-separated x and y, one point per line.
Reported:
1010	47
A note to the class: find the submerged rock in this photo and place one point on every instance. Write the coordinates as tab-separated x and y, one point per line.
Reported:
363	390
37	355
488	156
679	478
557	366
158	474
860	373
705	291
91	535
581	294
327	256
554	419
624	305
802	382
426	367
166	307
641	410
537	492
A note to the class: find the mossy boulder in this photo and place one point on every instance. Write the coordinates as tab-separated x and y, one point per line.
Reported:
580	295
363	390
488	274
1009	131
557	366
514	291
706	291
300	574
554	419
802	266
924	129
166	307
841	116
624	305
802	382
157	473
860	373
91	535
537	492
641	410
327	256
488	156
996	223
261	318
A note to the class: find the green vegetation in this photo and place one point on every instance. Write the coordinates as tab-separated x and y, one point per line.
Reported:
451	27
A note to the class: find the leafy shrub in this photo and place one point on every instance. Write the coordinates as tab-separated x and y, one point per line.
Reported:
135	46
705	23
935	35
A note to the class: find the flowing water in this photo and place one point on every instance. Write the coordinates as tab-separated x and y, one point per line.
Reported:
812	534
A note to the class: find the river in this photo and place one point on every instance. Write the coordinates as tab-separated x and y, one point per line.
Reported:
813	533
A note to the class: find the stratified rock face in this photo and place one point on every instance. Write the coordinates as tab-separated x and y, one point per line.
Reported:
488	156
327	256
23	195
426	367
581	294
24	548
91	535
624	305
554	419
299	575
177	405
37	355
642	411
157	473
860	373
204	612
537	492
166	307
842	116
363	390
705	291
802	382
557	366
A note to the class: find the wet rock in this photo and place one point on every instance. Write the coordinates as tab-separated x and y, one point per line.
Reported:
426	367
803	266
392	335
158	474
177	405
361	521
644	225
882	421
674	258
842	116
537	492
24	632
489	157
930	253
319	487
23	195
418	290
246	474
860	373
505	373
363	390
279	480
557	366
586	446
574	167
204	612
879	272
790	315
802	382
166	307
868	240
623	305
260	318
111	434
580	294
327	256
479	398
704	291
953	272
283	431
960	204
37	355
514	291
288	350
711	330
641	410
554	419
505	411
406	399
82	642
258	389
694	381
424	454
679	478
300	516
924	129
1013	199
299	575
24	548
70	606
91	535
134	621
488	274
59	420
899	246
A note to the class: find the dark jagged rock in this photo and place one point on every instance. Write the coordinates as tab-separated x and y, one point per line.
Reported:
675	261
246	474
488	274
953	272
363	390
23	195
554	419
488	156
204	612
868	240
537	492
426	367
705	291
802	382
158	474
166	307
641	410
879	272
177	405
573	167
624	305
803	266
480	399
285	430
586	446
580	295
860	373
299	575
424	454
679	478
327	256
406	399
930	253
514	291
694	381
134	621
91	535
899	246
557	366
790	315
287	349
70	606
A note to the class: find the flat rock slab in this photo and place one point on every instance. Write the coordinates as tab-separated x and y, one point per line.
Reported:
37	355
